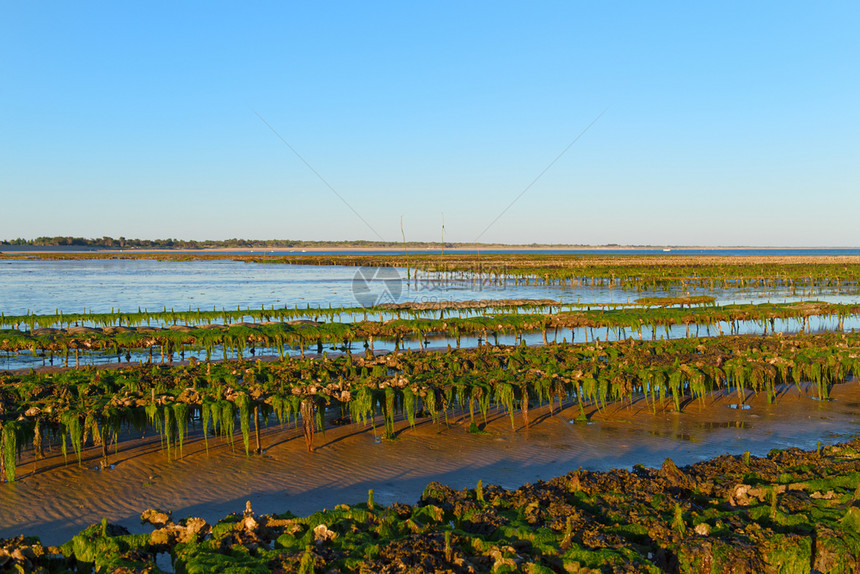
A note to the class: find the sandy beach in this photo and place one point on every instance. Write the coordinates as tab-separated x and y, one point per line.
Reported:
61	499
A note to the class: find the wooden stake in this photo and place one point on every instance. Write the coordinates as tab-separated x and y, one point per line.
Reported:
259	448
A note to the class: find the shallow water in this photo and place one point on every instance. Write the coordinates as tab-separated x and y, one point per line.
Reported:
55	504
102	285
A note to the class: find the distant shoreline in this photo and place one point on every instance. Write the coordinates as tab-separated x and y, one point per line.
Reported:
111	245
10	249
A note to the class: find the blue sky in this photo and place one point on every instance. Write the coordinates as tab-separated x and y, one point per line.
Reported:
731	123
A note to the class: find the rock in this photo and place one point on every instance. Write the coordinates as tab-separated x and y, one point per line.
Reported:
189	396
703	529
193	529
82	330
322	534
161	537
740	495
181	328
705	487
831	552
829	495
157	518
500	561
189	530
674	476
745	495
249	523
46	331
113	330
574	484
22	559
24	553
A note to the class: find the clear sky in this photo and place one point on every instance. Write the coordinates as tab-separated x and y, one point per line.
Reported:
726	123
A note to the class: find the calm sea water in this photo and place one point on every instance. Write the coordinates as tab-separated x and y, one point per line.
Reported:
102	285
45	286
129	285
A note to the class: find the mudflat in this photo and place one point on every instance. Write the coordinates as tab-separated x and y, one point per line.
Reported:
61	498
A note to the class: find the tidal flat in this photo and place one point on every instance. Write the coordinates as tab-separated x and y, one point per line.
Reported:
542	391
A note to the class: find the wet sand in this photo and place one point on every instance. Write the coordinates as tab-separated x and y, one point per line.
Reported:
60	500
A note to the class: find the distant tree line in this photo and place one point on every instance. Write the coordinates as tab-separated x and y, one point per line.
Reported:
123	243
169	243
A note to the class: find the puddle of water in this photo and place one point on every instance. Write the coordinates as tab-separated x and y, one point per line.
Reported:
727	424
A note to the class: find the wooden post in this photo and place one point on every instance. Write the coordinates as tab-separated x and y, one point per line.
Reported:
2	452
102	434
308	423
525	405
37	444
259	448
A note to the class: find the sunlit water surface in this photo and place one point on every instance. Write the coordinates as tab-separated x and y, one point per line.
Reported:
105	285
